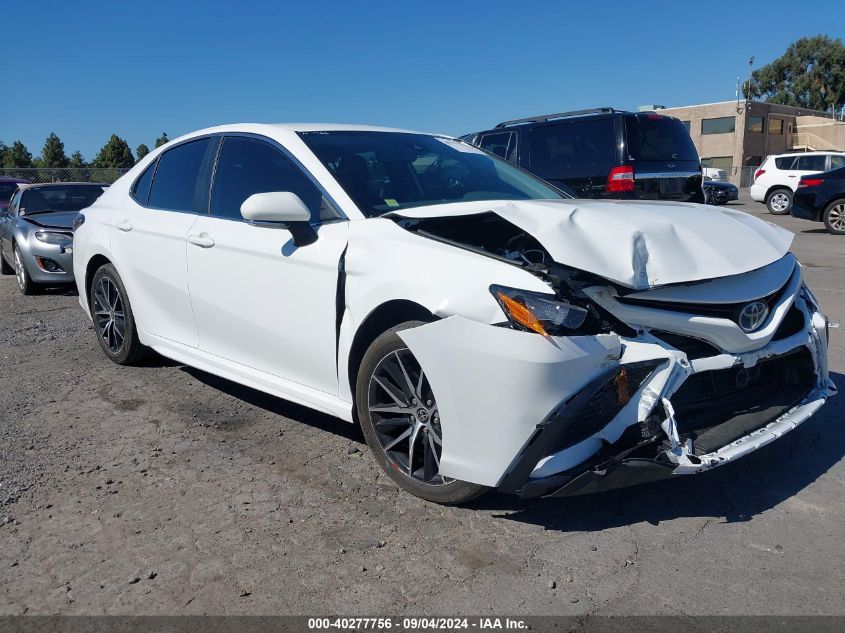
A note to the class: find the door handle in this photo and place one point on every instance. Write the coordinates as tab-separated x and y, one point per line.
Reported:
124	226
202	240
792	176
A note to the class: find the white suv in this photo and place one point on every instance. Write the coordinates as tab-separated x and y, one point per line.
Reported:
778	176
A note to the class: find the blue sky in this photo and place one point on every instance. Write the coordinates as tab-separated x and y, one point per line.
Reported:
89	69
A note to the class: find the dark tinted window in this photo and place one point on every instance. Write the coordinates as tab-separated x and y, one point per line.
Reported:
141	189
811	163
6	190
59	198
837	162
247	166
386	171
785	162
568	144
176	177
655	137
502	144
755	124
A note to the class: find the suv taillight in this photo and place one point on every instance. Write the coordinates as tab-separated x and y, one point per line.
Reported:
620	179
810	182
759	173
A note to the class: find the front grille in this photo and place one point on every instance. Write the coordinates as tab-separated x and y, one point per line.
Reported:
714	408
692	347
728	311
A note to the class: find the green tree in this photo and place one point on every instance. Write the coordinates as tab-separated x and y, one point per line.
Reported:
17	156
810	74
53	154
77	161
141	151
161	140
115	153
3	150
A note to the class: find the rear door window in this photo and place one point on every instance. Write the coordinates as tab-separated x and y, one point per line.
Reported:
566	145
176	178
659	138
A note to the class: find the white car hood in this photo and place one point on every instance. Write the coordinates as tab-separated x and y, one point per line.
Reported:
638	243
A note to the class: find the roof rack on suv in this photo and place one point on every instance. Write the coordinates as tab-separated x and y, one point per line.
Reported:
558	115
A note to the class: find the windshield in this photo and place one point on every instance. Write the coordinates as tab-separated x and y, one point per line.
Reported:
386	171
59	198
656	137
6	190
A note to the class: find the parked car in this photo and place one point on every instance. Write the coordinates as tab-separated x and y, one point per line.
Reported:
777	178
718	192
821	198
714	173
602	153
8	186
36	232
484	329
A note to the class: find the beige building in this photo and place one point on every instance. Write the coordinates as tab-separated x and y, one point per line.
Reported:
737	137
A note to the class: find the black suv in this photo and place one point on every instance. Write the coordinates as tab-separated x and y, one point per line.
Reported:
602	153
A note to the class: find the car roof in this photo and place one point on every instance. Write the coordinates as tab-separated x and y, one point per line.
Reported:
821	153
21	181
298	127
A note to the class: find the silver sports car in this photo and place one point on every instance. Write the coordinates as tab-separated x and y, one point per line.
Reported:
36	232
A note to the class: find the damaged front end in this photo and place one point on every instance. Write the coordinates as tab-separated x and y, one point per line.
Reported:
650	383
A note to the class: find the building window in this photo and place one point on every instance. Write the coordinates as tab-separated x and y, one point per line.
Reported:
753	161
755	124
721	125
719	162
686	125
775	126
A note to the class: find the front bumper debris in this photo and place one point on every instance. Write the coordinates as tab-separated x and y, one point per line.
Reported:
614	411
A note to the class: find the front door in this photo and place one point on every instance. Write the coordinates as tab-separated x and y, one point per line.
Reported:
258	299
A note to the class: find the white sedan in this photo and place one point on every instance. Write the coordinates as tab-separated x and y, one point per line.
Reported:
484	329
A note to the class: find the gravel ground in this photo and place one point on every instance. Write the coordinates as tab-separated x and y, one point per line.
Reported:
161	489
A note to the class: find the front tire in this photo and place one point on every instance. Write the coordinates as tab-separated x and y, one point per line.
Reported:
113	319
779	201
5	268
398	413
834	217
25	283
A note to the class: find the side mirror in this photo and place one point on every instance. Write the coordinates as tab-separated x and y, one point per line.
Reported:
282	209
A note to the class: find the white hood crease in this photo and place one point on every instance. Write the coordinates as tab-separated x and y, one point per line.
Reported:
638	244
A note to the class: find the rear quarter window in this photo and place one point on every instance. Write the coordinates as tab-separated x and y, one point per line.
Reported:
572	144
785	162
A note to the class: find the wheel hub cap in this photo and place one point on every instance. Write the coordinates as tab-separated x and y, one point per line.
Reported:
109	316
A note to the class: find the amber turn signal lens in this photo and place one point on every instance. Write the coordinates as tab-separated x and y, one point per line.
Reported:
521	314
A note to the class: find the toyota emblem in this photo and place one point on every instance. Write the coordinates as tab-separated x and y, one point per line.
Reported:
753	315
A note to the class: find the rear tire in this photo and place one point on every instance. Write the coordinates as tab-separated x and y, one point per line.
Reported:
779	201
113	319
834	217
405	441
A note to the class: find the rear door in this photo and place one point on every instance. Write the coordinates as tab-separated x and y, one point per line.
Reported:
666	165
148	240
579	153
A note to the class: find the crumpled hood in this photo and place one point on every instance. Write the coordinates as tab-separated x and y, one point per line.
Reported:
54	220
637	243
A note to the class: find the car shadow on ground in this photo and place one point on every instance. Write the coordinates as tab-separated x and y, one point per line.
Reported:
736	492
58	291
279	406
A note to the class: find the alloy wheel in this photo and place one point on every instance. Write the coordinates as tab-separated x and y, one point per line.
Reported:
20	272
780	202
836	216
109	315
405	417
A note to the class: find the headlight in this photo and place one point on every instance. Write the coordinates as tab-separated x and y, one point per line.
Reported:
544	314
78	221
50	237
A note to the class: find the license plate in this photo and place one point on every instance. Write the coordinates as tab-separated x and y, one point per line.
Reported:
672	186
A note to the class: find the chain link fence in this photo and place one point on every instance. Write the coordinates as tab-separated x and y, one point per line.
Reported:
65	174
